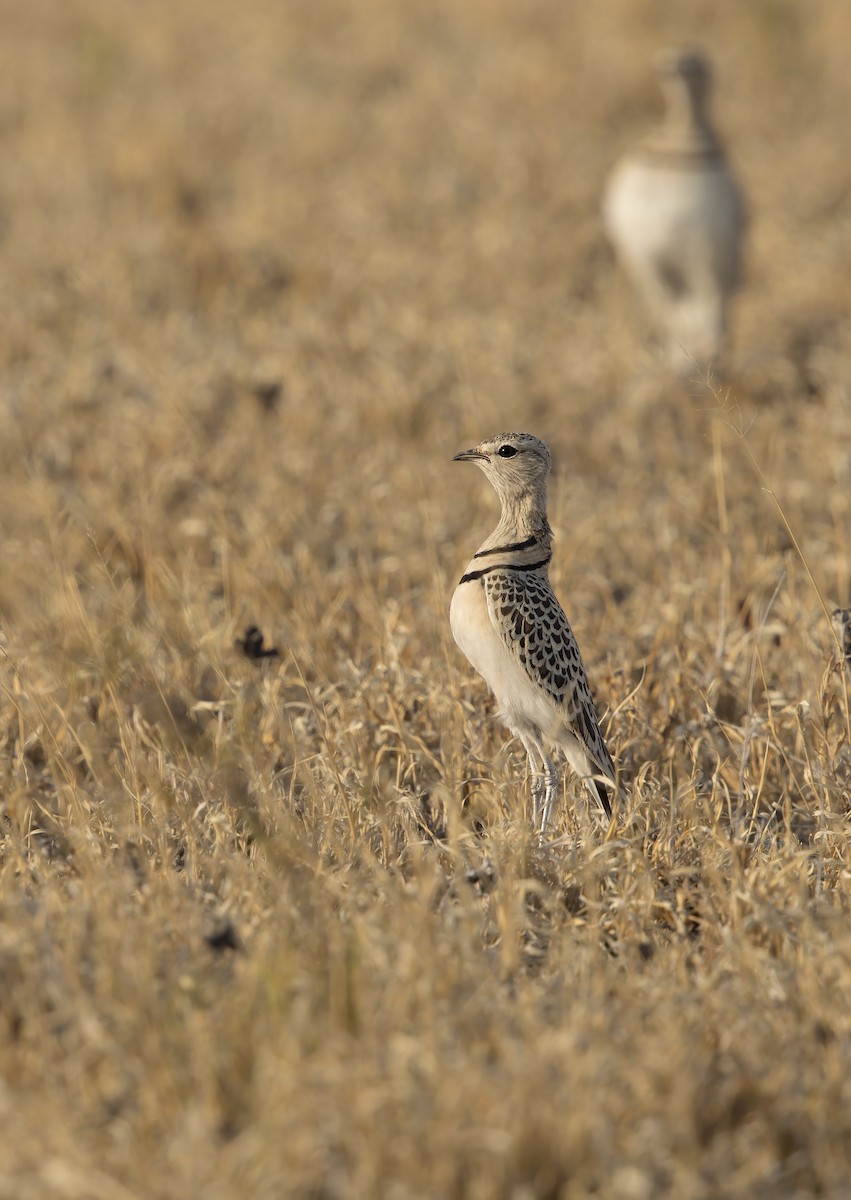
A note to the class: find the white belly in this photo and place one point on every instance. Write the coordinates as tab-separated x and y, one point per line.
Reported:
522	702
691	217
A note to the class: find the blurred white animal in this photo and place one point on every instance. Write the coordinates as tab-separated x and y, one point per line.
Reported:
675	216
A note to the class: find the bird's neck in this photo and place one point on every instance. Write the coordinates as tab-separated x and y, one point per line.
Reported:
686	127
523	520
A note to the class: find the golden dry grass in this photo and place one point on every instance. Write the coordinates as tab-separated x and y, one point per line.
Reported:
266	267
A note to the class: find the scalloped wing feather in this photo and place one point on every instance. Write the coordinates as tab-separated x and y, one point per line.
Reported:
536	633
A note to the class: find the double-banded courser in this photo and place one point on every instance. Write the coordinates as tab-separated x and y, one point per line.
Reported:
507	620
674	213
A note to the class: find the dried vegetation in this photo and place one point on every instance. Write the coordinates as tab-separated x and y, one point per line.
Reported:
275	926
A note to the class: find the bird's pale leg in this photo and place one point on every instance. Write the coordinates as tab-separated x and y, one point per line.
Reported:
538	788
552	779
537	759
545	780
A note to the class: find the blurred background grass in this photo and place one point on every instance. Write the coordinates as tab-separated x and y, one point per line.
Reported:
265	269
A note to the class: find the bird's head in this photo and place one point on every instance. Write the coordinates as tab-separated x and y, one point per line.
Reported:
517	464
684	73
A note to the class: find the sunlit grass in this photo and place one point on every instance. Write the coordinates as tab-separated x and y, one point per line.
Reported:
280	926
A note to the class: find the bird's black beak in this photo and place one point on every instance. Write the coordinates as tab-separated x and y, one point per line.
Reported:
469	456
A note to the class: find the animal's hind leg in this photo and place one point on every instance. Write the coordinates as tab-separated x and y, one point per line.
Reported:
545	782
537	760
551	782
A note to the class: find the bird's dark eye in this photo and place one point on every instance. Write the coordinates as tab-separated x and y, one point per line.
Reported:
507	451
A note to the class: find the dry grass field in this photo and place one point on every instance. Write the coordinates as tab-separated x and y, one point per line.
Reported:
278	927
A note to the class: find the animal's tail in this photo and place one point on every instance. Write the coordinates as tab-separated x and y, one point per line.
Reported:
602	793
